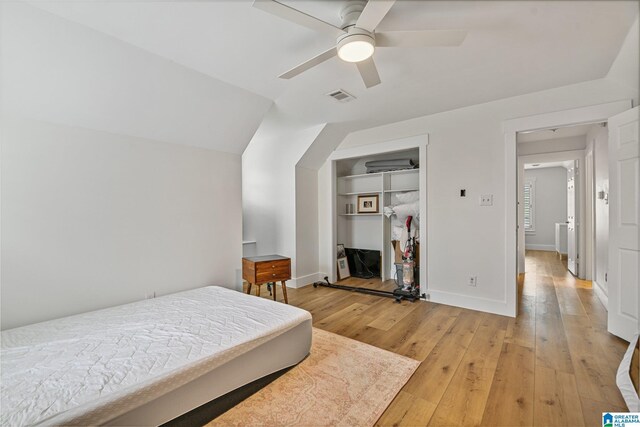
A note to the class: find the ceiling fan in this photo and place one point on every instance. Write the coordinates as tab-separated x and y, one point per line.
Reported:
357	38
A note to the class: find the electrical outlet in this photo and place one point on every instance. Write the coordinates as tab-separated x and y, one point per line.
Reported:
486	200
473	281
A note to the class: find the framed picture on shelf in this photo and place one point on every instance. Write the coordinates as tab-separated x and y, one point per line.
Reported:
341	252
343	268
368	204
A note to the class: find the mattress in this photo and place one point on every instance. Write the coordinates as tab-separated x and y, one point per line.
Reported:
100	366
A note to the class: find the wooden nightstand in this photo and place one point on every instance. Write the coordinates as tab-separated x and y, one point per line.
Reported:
259	270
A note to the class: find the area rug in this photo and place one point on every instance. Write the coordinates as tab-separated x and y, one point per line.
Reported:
342	382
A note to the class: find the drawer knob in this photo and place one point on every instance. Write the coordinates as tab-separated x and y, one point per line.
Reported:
273	266
274	274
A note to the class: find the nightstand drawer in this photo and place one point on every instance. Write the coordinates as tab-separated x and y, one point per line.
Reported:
280	264
273	271
273	276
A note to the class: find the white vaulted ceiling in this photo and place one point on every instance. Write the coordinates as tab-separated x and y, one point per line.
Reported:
512	48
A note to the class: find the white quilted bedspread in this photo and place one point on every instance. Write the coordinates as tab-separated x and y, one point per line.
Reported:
92	367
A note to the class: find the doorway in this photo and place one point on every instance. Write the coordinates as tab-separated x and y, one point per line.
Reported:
549	204
567	216
622	120
514	262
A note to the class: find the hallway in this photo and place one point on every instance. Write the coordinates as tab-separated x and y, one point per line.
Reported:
576	359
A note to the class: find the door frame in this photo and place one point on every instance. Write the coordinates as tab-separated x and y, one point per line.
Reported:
576	116
421	142
590	212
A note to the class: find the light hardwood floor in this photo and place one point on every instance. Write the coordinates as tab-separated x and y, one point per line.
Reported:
554	364
375	283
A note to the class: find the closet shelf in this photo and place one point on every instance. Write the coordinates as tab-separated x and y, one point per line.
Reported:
361	175
359	193
401	190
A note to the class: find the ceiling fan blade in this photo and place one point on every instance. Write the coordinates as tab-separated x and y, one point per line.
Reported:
373	13
318	59
369	72
425	38
293	15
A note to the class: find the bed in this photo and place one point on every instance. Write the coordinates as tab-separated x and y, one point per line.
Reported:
147	362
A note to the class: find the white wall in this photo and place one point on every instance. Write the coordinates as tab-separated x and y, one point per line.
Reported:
326	182
270	188
467	151
626	67
105	197
306	225
598	139
550	206
92	219
556	145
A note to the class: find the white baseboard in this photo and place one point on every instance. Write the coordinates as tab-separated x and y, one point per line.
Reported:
302	281
470	302
535	247
601	294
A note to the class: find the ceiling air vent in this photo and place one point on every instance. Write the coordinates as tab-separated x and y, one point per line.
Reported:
341	96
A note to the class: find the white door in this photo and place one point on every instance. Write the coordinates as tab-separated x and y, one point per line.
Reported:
572	218
624	221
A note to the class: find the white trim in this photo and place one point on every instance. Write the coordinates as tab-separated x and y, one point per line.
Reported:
333	217
575	116
589	114
536	247
589	213
600	293
510	225
302	281
470	302
424	212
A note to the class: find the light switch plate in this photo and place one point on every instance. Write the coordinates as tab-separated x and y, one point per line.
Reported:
486	200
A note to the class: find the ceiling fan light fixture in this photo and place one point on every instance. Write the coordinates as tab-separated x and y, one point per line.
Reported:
356	47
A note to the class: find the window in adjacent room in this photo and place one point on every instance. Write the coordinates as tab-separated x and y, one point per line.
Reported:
529	206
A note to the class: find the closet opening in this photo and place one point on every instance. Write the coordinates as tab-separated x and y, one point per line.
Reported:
378	225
